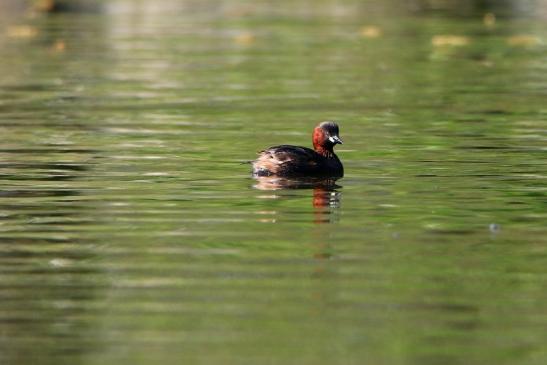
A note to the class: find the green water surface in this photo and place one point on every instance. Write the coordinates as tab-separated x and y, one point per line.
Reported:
131	231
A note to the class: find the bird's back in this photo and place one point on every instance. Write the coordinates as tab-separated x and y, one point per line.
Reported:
287	160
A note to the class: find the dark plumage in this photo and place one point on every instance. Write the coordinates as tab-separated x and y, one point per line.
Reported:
286	160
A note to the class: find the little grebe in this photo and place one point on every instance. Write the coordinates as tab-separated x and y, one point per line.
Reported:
286	160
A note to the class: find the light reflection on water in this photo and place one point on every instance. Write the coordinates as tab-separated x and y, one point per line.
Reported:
131	231
325	194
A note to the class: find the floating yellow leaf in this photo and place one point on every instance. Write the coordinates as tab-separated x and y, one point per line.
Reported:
489	20
523	40
245	38
371	31
22	31
449	40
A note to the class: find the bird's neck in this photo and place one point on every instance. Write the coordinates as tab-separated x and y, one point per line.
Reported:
324	151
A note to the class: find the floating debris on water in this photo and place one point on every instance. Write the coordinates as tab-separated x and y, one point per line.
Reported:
450	40
44	5
489	20
58	262
59	46
370	31
494	227
523	40
245	38
21	31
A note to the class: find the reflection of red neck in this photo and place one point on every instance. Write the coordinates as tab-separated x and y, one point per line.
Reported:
321	198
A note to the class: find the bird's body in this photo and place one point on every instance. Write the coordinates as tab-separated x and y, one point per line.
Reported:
287	160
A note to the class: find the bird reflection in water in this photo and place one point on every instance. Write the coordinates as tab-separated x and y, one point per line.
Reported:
325	196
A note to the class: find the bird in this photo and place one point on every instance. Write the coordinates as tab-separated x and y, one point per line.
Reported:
296	161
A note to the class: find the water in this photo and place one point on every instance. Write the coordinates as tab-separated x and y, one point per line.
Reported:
132	232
